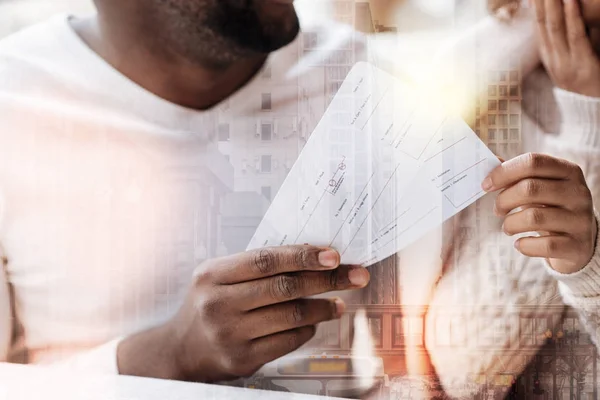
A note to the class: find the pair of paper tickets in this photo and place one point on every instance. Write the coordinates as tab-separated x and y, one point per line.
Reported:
383	167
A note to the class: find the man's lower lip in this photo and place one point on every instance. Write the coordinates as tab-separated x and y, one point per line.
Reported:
288	2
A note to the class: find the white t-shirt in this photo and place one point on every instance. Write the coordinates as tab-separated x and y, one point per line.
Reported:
111	196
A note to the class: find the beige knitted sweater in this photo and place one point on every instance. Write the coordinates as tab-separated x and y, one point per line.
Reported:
492	307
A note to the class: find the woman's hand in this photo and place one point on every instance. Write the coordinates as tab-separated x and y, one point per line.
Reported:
566	49
553	199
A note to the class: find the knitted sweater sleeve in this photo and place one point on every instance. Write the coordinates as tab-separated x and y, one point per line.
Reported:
579	141
489	301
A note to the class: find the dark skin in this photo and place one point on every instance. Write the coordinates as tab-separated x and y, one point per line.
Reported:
127	34
244	310
171	77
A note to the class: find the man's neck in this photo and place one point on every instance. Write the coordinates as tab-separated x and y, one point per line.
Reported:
165	74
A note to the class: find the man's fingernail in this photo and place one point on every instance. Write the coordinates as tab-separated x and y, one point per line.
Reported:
517	244
329	258
340	306
487	184
358	276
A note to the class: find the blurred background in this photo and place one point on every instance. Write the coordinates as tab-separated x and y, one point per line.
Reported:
434	17
16	14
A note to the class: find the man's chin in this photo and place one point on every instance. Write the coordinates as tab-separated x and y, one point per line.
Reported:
280	2
281	24
281	33
286	39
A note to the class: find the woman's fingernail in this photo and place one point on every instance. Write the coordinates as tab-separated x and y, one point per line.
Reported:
329	258
358	276
495	211
487	184
517	244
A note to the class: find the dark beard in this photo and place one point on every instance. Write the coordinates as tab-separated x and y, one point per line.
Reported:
241	25
216	33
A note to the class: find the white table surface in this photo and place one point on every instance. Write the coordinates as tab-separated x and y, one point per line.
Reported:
19	382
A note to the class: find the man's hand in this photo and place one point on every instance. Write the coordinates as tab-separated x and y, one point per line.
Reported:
566	49
554	200
242	312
